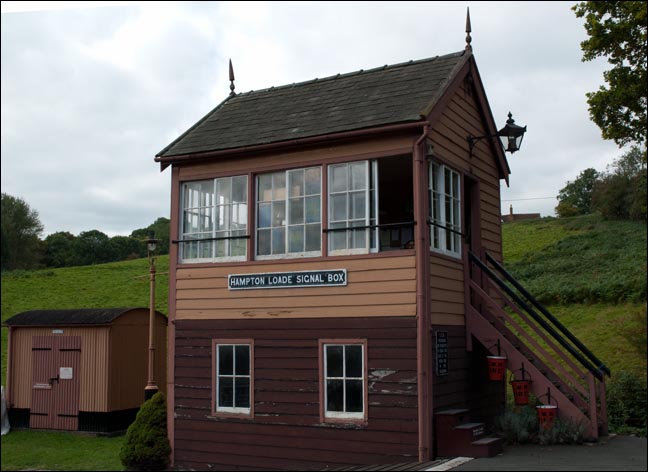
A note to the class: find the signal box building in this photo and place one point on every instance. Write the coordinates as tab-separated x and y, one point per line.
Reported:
322	300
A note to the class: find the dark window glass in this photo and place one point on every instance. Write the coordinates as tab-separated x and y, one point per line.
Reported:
242	360
335	395
225	392
225	360
353	361
354	398
242	399
334	356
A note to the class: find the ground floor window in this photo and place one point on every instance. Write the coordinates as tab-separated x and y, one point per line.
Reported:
233	364
343	379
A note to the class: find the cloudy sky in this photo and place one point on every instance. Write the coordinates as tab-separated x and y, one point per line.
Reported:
92	91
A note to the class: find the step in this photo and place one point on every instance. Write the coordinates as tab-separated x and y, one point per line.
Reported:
487	447
457	441
445	420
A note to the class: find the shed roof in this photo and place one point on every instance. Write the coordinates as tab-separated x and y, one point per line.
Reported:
399	93
80	316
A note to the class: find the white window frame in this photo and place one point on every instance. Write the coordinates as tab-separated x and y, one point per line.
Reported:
229	409
444	221
285	223
360	415
213	214
371	210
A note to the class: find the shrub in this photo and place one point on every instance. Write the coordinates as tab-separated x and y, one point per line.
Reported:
146	446
626	403
518	426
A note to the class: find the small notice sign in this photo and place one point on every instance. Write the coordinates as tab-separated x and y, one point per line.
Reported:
312	278
65	373
441	352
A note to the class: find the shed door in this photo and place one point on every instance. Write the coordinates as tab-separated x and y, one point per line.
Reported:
55	382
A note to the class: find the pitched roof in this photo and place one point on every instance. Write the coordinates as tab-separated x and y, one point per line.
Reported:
82	316
393	94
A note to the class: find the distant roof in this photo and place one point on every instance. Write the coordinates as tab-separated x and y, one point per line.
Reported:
399	93
81	316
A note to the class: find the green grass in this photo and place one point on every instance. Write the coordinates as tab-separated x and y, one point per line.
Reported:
40	450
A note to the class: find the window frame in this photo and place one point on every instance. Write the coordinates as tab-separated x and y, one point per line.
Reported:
442	224
287	206
343	417
213	214
221	411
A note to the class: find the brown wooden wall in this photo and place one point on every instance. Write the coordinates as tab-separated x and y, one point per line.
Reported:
286	432
93	370
377	286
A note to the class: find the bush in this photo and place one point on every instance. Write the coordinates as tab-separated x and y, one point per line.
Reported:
626	403
146	446
521	426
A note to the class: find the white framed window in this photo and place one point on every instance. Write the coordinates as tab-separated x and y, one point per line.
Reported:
343	379
445	209
214	220
289	215
352	203
232	389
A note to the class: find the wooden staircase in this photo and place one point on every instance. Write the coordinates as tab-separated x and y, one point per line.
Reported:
504	317
457	436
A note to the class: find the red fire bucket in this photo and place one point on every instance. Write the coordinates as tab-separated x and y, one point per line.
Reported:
496	367
546	415
520	391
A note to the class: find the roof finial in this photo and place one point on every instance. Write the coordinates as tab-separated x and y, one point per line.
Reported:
468	30
231	78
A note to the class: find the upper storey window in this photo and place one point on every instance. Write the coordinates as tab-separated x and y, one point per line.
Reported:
289	221
445	209
214	220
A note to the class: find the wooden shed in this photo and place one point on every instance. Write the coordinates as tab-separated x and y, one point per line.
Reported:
81	370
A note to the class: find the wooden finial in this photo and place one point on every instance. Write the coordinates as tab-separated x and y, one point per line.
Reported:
468	30
231	78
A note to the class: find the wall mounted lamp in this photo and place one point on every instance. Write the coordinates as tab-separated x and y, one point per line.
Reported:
511	136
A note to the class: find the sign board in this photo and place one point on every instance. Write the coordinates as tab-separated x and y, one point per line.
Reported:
311	278
441	352
65	373
57	331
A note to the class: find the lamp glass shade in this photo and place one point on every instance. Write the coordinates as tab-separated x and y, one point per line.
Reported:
152	245
511	135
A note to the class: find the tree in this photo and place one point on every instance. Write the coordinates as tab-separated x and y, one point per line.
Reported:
617	30
21	229
160	228
92	247
575	198
59	249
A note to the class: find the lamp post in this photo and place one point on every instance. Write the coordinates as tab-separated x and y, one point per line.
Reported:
151	387
511	136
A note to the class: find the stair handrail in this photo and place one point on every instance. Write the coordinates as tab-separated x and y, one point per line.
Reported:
587	364
601	366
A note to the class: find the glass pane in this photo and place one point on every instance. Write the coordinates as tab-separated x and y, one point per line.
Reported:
313	237
242	392
239	215
265	188
354	397
223	191
359	236
205	247
263	242
265	215
242	360
339	207
225	392
279	184
358	176
313	181
225	360
334	359
455	184
358	207
446	180
222	217
338	178
279	213
296	183
337	239
313	209
278	241
353	361
296	238
238	247
334	395
221	246
239	189
190	223
206	222
296	215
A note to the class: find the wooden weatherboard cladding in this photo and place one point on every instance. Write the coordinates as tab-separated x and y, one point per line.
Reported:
313	278
286	430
